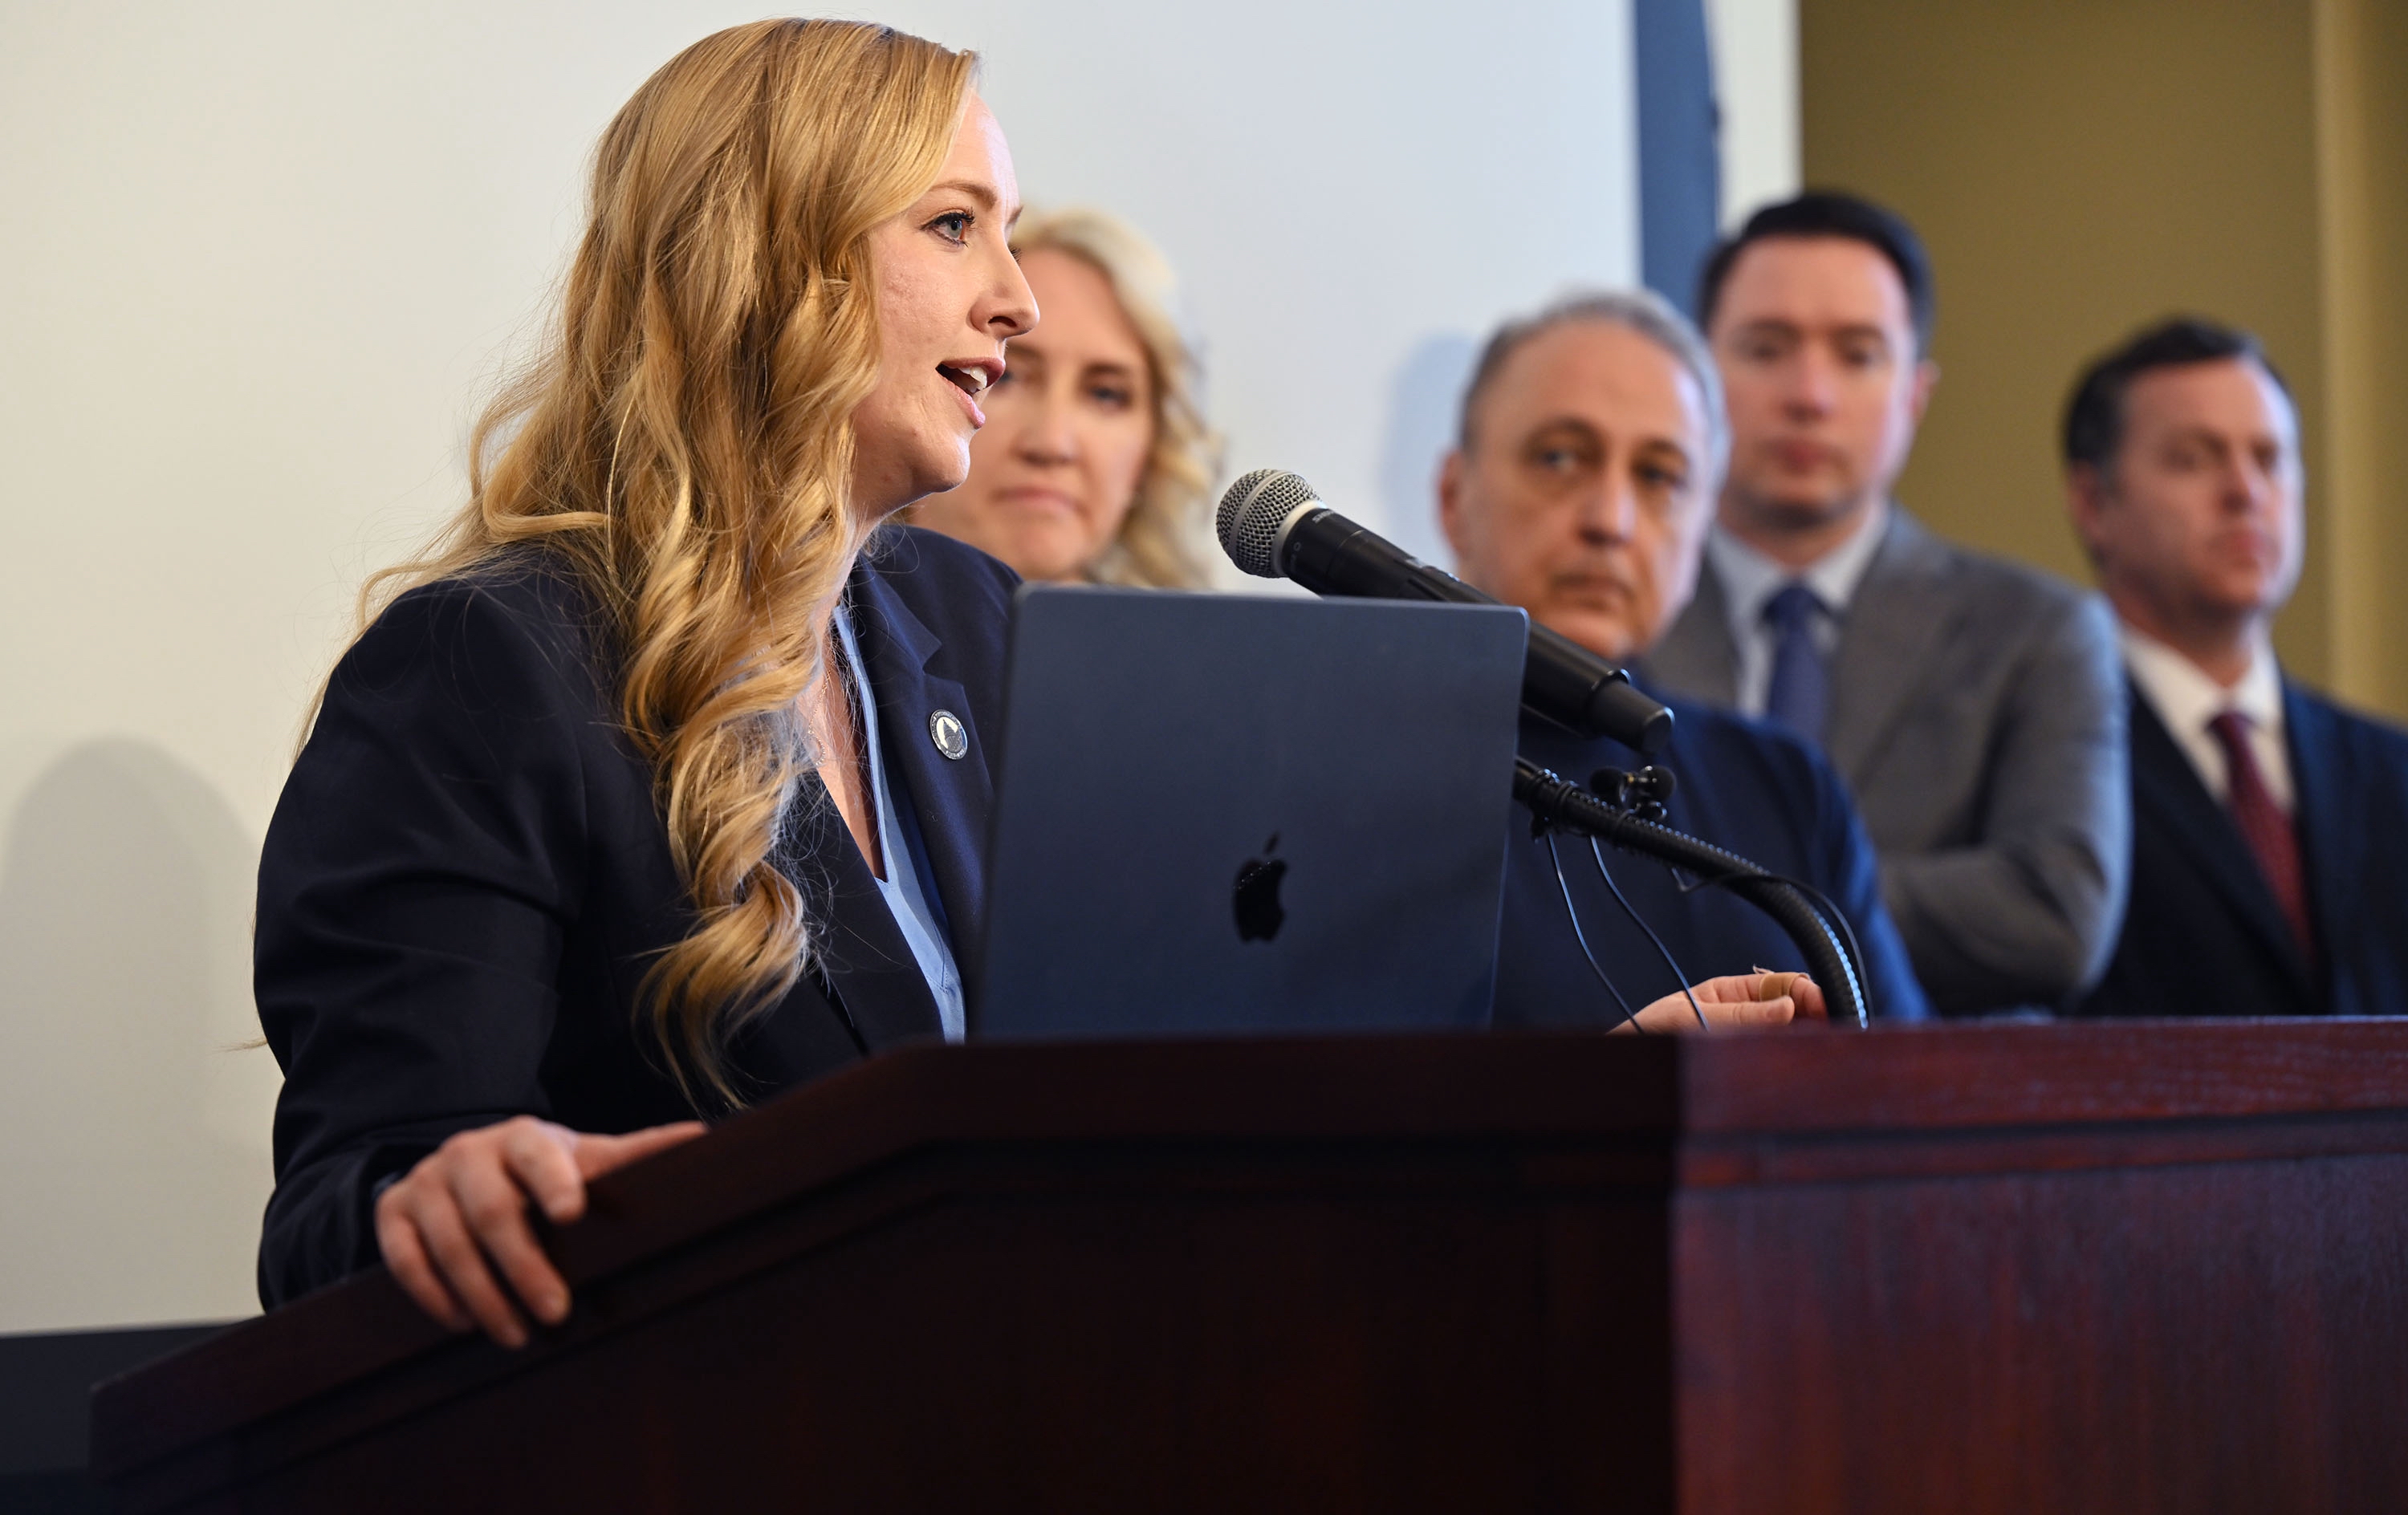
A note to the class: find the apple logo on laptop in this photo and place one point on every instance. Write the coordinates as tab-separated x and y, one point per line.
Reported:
1259	914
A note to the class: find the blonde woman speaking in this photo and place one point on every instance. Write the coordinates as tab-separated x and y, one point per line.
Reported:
661	786
1096	461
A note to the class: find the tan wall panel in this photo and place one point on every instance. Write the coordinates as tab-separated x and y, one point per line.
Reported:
2077	170
2362	126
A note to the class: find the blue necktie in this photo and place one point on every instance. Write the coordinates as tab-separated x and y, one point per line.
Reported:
1799	693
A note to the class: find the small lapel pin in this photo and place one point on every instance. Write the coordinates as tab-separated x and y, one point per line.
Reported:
952	738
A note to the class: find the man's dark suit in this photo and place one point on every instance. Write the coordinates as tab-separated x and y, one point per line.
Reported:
1745	786
467	876
2204	936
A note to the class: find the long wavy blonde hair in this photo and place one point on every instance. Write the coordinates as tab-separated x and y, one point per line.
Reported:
683	444
1156	545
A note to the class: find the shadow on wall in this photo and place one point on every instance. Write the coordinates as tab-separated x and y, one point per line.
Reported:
1421	425
134	1154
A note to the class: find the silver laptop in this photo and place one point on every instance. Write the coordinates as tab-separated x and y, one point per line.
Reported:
1227	814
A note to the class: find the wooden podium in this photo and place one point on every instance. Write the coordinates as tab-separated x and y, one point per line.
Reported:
2120	1267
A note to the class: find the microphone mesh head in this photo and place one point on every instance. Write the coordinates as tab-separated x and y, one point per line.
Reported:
1251	514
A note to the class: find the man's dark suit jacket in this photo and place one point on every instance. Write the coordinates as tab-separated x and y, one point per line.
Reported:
467	876
1745	786
2204	936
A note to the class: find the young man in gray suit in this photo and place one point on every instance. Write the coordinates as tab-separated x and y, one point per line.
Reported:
1974	706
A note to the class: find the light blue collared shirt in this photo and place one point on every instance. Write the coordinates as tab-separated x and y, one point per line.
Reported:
1750	579
906	895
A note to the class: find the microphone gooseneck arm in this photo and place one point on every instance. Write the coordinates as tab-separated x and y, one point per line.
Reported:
1566	807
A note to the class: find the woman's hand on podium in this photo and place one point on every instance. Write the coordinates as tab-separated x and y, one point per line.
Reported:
1737	1002
447	1224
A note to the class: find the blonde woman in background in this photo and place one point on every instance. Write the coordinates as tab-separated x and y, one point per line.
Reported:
1096	461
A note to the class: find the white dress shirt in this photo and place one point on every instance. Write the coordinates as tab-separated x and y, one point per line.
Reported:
2188	701
1750	579
906	895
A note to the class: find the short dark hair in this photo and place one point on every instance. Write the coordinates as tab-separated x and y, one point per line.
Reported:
2094	417
1829	213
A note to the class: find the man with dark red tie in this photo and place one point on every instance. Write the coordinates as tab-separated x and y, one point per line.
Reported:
2270	870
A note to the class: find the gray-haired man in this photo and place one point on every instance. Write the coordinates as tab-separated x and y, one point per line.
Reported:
1579	488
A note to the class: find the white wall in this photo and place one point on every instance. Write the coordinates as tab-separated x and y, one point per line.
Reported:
261	258
1756	81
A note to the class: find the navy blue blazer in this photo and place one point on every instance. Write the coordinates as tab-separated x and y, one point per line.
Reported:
2204	936
1746	787
467	876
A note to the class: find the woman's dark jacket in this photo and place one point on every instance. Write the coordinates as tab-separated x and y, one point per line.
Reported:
467	876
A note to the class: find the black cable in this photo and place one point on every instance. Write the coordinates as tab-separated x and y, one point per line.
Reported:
1821	902
1661	950
1838	918
1581	937
1556	804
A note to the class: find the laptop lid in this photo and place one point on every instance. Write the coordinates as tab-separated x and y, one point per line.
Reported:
1237	814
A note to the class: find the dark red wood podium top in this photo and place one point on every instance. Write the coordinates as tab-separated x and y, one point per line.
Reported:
2125	1266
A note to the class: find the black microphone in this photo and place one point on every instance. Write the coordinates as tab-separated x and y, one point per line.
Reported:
1273	526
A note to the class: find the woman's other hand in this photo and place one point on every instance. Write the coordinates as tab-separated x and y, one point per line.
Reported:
449	1225
1737	1002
